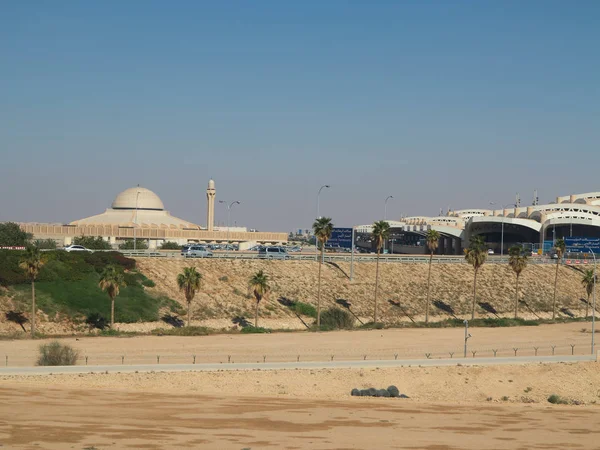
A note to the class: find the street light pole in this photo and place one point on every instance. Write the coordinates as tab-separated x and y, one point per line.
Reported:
229	205
593	302
385	207
325	186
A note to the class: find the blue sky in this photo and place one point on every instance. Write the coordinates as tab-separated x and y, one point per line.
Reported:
437	103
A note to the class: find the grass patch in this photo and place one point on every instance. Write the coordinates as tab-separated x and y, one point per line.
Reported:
254	330
183	331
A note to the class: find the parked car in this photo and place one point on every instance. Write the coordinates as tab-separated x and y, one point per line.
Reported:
197	251
77	248
491	251
273	253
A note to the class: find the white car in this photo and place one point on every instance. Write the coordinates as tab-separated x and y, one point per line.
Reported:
77	248
491	251
197	251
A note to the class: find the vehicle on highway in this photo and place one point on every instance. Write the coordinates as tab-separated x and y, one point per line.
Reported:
491	251
197	251
294	249
273	253
77	248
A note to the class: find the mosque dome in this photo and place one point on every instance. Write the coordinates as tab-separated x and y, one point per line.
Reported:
211	184
138	198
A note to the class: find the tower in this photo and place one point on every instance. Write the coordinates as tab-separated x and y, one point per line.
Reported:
210	205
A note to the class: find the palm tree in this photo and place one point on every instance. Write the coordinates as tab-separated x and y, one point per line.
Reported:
559	247
517	261
380	232
111	280
259	285
32	263
189	282
433	239
589	283
475	254
322	229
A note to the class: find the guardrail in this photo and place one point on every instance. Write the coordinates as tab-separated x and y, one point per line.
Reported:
341	257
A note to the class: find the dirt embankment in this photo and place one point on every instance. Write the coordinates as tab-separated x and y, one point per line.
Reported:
224	291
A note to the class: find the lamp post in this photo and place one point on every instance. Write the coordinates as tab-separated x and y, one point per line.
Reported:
502	229
325	186
593	301
229	205
137	195
385	206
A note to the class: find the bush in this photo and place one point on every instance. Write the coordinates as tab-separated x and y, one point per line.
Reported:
184	331
253	330
96	321
224	278
355	393
45	244
148	283
140	244
170	245
305	309
93	243
57	354
557	400
336	319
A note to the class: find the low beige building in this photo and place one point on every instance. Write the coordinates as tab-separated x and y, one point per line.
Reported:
139	213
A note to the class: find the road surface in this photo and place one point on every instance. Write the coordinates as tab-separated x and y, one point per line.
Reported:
292	365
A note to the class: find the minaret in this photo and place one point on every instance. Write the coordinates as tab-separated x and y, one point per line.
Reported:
210	205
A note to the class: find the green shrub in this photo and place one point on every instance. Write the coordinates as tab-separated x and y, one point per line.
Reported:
92	242
45	244
255	330
305	309
57	354
148	283
170	245
336	319
224	278
557	400
184	331
140	244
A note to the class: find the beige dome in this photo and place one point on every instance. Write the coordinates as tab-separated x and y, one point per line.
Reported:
138	198
211	184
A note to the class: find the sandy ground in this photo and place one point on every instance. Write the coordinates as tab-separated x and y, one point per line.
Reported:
342	345
455	407
224	290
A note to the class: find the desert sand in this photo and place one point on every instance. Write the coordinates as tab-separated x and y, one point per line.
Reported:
450	408
409	343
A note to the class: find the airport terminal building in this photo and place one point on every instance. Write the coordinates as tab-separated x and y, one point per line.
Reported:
535	225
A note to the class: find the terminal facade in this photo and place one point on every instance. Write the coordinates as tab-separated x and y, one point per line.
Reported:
535	226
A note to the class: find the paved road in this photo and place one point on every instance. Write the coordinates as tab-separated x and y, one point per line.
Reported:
290	365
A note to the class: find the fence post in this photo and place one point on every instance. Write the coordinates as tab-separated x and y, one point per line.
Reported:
536	349
298	358
451	355
157	359
194	359
553	347
122	360
495	351
86	358
572	349
332	357
6	362
264	358
395	356
228	358
515	349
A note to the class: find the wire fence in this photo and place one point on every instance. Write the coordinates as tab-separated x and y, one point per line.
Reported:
525	349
